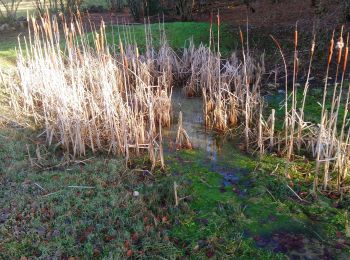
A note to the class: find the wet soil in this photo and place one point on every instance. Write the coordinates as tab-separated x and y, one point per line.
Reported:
295	238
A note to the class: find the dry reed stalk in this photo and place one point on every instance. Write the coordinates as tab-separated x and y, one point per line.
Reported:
272	129
182	138
294	93
323	115
306	88
286	112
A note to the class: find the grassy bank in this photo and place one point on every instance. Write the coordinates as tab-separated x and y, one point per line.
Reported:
95	207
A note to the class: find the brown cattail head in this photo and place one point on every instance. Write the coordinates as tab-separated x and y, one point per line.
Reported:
241	36
296	36
331	46
346	54
218	18
313	46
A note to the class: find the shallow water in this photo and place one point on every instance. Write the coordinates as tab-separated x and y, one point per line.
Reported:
192	117
215	145
217	148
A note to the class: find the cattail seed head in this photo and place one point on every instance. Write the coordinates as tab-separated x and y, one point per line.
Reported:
313	47
346	54
339	46
241	36
331	47
218	16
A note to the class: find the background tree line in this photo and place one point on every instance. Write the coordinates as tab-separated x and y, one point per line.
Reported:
143	8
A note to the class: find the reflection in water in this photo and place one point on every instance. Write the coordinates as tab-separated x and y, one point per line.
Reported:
193	123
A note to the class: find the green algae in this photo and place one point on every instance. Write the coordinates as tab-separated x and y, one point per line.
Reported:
267	207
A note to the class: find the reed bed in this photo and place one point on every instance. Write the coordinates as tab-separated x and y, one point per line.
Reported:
232	99
88	97
105	97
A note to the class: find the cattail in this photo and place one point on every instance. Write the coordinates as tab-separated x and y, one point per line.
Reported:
331	46
346	54
296	37
340	45
241	36
218	17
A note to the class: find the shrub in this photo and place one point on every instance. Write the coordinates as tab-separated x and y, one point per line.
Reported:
10	12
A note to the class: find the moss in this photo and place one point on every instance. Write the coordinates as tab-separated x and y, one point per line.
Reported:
266	208
215	213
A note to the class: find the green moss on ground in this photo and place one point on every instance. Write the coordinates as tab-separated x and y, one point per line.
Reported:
259	206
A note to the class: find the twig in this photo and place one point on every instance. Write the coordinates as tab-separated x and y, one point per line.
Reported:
206	183
36	184
83	161
271	195
183	198
297	195
52	193
275	170
140	170
175	194
30	158
81	187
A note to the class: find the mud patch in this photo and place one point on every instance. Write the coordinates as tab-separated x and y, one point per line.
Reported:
298	246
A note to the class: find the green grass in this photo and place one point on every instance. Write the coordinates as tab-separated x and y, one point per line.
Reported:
42	216
7	52
178	34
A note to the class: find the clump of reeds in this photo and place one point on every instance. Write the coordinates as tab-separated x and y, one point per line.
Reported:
85	96
325	141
